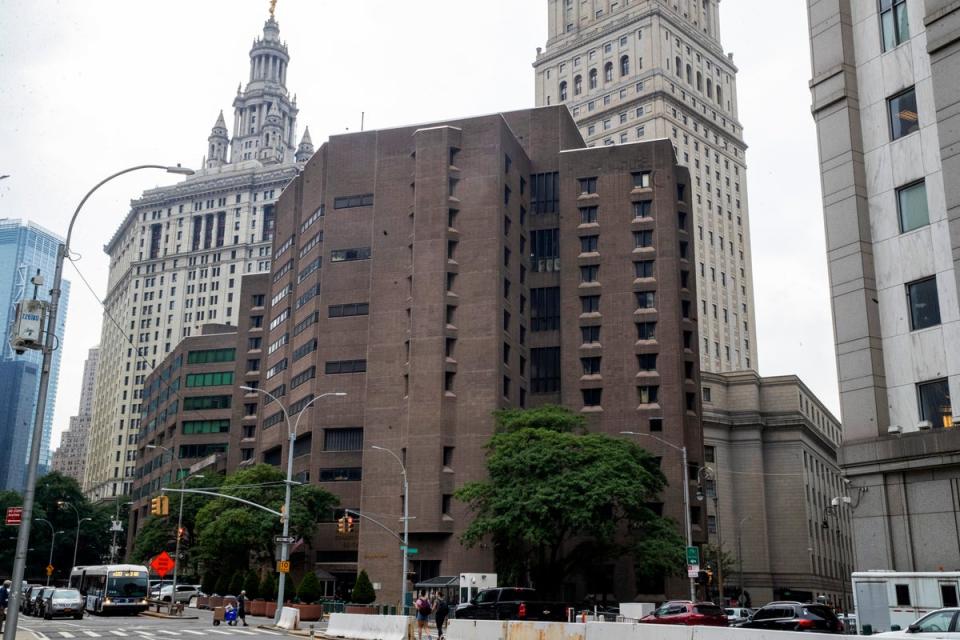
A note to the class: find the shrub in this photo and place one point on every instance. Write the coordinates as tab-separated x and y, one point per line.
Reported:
268	587
251	584
236	583
363	592
309	590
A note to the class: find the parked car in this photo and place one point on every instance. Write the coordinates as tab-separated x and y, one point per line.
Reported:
184	592
942	623
687	612
62	602
736	615
795	616
35	606
511	603
30	591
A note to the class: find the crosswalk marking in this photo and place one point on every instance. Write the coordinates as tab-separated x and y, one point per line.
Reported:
193	633
118	633
269	633
223	633
67	634
246	633
170	633
92	634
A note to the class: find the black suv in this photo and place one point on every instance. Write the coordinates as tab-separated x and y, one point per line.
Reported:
795	616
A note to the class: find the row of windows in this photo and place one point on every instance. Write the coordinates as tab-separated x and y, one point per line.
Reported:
201	450
345	366
207	402
213	379
347	202
211	355
350	309
346	255
194	427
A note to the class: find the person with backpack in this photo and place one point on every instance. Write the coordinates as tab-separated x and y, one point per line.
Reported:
424	608
440	612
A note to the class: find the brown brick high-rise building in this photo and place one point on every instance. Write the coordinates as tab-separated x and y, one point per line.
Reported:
436	273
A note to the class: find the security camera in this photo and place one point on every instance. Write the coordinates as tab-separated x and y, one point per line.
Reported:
846	480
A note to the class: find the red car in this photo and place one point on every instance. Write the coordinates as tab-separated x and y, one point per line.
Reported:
688	613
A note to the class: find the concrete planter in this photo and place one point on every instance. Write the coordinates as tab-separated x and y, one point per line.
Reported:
257	607
203	602
310	612
364	609
215	601
270	608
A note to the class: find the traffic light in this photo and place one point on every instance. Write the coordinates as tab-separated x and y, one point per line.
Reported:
702	577
349	524
180	533
342	525
164	505
155	506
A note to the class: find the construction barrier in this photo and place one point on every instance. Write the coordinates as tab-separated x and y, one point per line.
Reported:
289	618
502	630
368	627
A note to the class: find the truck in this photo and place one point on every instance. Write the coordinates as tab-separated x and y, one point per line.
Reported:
511	603
891	600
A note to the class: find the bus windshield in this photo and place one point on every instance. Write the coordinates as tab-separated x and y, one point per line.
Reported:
127	587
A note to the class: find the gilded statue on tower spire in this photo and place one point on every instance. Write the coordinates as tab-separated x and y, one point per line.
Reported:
273	8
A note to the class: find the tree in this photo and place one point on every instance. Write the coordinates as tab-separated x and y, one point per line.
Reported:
230	534
251	584
222	587
209	584
152	538
236	582
559	499
309	590
363	592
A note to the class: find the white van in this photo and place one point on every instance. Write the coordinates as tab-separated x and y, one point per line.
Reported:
886	599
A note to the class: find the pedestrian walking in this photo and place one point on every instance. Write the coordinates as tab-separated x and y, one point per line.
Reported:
242	608
424	608
440	612
4	599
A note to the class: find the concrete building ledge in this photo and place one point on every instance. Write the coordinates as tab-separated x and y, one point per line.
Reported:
909	451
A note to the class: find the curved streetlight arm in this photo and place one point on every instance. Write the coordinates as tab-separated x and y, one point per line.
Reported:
296	424
178	169
406	524
275	399
172	457
650	435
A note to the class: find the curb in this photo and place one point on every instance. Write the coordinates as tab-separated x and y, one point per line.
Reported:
164	616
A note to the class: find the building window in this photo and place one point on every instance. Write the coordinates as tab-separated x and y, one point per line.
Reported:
588	185
647	394
346	310
912	206
904	119
641	180
345	366
894	25
347	202
545	309
346	255
903	595
624	65
645	299
592	397
563	91
593	78
709	454
588	244
577	85
544	192
643	209
590	335
647	361
643	269
935	406
588	215
590	304
924	303
642	239
591	366
545	245
646	331
589	273
211	355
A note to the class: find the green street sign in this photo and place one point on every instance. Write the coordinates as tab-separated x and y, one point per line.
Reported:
410	550
693	556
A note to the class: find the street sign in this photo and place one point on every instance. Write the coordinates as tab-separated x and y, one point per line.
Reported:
410	550
693	571
14	515
116	525
283	566
162	564
693	555
285	539
49	569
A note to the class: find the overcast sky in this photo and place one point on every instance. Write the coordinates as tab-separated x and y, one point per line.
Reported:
88	88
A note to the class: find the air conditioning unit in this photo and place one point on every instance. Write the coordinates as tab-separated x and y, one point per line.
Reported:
924	425
894	429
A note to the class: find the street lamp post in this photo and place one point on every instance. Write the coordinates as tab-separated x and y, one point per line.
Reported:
176	553
53	541
406	525
740	555
292	437
708	474
76	544
113	528
686	495
20	559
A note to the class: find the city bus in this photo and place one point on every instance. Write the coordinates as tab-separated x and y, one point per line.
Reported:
112	588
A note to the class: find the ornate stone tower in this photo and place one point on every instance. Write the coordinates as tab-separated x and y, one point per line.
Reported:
264	115
219	142
305	150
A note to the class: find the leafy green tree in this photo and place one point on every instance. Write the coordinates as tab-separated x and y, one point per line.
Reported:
8	535
209	584
236	582
363	592
156	535
251	584
558	499
268	587
309	590
222	587
230	534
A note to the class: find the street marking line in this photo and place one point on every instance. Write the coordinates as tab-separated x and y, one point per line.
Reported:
117	632
169	633
66	634
194	633
38	634
92	634
223	633
242	632
270	633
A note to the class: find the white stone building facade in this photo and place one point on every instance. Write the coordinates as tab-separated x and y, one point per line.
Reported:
70	457
635	70
886	85
177	259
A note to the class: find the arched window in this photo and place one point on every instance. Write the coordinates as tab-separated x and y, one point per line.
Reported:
593	78
699	81
577	85
719	95
624	66
689	75
709	88
608	72
563	90
678	66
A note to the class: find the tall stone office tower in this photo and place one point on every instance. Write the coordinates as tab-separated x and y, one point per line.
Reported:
25	249
177	259
71	456
885	96
635	70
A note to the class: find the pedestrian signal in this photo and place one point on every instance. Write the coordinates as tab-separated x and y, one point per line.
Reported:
342	525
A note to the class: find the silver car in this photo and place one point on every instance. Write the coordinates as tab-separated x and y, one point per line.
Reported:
62	602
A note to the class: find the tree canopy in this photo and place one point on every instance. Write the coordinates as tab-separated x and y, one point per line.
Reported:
558	498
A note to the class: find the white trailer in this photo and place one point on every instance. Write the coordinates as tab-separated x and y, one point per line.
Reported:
886	599
473	583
